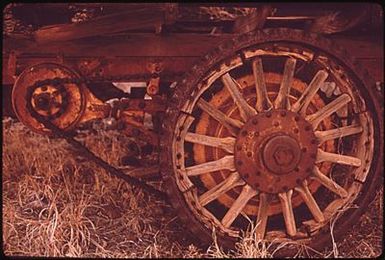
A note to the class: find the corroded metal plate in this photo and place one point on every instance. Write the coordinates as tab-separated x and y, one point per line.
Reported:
274	151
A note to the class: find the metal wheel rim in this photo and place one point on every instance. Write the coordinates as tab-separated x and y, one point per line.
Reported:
347	96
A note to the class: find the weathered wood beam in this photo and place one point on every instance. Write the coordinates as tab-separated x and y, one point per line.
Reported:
129	45
132	18
255	20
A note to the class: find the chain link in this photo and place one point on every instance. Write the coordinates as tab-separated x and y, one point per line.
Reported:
84	151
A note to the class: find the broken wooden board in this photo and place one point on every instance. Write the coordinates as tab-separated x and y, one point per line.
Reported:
133	18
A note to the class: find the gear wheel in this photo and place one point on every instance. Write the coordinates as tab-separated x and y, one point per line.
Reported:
52	91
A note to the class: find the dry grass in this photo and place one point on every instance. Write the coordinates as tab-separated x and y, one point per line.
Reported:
57	204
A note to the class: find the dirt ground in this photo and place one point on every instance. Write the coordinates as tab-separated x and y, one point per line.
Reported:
57	204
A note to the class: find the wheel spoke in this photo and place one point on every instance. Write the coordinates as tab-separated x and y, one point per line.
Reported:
327	110
288	214
230	182
324	136
231	124
226	144
226	162
306	97
282	100
246	194
323	156
310	202
245	110
329	183
262	215
263	102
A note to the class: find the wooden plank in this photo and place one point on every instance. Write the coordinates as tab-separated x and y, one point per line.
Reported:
134	17
147	44
130	45
139	47
253	21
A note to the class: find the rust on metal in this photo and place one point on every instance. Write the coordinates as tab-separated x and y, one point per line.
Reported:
274	150
63	103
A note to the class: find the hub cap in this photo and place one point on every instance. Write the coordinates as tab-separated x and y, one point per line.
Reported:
274	150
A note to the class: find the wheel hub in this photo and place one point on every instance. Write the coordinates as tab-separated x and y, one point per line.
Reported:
49	100
275	151
281	154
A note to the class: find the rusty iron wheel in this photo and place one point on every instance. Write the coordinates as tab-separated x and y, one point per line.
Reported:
278	132
62	103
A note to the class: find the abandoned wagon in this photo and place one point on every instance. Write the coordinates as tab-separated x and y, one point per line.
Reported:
251	122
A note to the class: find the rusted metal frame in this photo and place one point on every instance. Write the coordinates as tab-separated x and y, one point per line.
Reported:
113	64
109	68
149	106
177	52
155	68
131	127
141	133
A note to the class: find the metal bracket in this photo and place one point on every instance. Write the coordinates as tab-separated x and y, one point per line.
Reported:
153	85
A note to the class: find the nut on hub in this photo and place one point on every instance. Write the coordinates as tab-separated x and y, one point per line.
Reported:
275	151
49	100
281	154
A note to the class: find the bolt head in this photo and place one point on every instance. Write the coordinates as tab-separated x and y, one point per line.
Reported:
283	155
